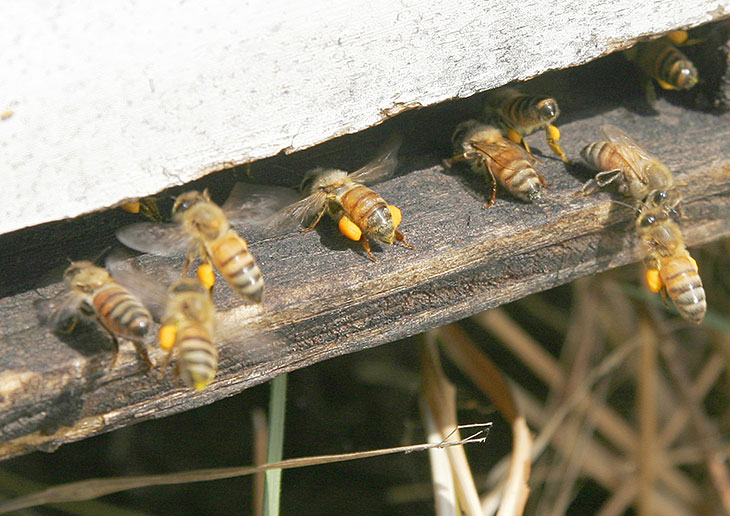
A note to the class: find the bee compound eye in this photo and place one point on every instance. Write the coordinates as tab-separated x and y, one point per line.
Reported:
647	221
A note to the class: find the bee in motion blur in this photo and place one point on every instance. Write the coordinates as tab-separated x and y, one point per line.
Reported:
201	228
621	160
670	268
662	61
360	212
92	292
188	326
520	115
483	148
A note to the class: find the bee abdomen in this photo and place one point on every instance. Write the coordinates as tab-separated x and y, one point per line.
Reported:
684	287
198	357
237	265
122	313
369	211
519	111
519	178
603	156
668	64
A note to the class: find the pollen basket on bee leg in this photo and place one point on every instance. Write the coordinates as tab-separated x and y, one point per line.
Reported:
167	336
396	214
206	275
653	280
349	229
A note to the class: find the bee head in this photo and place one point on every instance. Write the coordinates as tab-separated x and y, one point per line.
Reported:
187	200
548	109
687	76
85	276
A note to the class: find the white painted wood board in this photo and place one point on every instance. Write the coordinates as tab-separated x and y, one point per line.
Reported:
119	99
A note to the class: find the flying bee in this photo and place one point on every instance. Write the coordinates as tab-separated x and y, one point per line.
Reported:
620	159
92	292
483	148
203	229
662	61
188	326
361	213
670	268
520	115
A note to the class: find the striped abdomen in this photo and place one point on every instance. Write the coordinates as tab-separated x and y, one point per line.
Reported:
370	212
527	113
121	312
664	62
515	173
197	356
608	156
683	285
231	257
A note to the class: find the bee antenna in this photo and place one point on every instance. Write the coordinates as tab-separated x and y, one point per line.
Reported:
620	203
101	254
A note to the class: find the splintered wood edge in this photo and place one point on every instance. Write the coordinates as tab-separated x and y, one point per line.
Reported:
424	294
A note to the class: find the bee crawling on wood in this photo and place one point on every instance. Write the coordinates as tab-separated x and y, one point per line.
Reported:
204	230
661	60
92	292
360	212
483	148
621	160
520	115
670	268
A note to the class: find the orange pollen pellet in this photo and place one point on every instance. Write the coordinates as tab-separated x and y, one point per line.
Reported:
206	275
678	36
131	207
396	214
653	280
514	135
349	229
167	336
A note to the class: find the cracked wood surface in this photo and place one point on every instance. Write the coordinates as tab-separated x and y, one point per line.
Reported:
325	298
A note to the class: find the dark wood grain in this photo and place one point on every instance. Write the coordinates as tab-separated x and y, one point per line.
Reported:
325	298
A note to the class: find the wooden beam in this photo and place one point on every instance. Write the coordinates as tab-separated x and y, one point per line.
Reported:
324	297
124	100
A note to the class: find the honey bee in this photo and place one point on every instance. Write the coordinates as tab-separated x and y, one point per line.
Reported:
486	151
520	115
92	292
662	61
203	229
670	268
359	211
620	159
188	325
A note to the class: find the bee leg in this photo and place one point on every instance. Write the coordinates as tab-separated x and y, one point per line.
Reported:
189	259
607	177
316	220
400	238
366	246
115	342
73	321
142	351
552	135
165	363
543	181
459	158
494	184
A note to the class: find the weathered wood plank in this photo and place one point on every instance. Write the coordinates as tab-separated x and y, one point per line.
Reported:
324	298
114	100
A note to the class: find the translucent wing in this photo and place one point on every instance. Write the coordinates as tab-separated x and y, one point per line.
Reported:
632	153
382	167
293	217
249	204
152	292
618	136
159	239
56	312
494	150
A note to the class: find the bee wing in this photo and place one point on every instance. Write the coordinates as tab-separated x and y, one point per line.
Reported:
151	292
292	217
618	136
491	150
250	204
382	167
159	239
55	313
